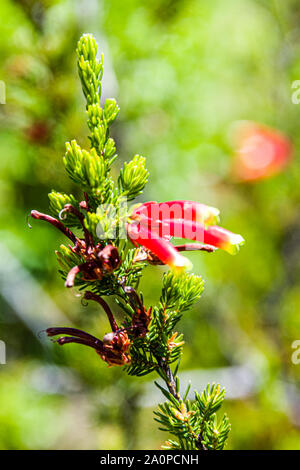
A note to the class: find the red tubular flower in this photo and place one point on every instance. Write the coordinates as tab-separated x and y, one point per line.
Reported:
177	210
224	239
261	152
152	230
164	250
214	235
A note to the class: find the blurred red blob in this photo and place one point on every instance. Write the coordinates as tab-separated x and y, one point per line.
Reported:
261	152
38	132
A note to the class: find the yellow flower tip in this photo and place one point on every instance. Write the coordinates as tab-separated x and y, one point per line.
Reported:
211	216
180	265
133	209
232	247
214	216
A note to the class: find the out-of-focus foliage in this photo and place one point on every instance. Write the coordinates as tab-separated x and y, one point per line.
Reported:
186	71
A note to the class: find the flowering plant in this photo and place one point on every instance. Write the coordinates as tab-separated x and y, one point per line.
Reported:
111	245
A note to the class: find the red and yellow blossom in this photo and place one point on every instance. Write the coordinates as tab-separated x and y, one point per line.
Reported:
153	224
163	249
179	209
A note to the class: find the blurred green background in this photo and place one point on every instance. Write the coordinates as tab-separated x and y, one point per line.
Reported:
183	71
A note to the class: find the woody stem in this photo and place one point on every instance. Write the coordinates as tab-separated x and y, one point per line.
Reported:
170	382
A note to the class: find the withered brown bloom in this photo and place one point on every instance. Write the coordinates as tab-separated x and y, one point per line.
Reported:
99	259
114	349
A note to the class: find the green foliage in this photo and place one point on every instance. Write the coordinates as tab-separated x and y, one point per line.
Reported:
133	177
90	69
179	293
106	214
195	424
85	168
90	72
110	111
67	260
130	271
57	202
